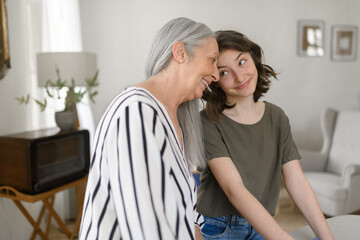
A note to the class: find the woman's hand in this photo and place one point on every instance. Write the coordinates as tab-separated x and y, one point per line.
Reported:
198	235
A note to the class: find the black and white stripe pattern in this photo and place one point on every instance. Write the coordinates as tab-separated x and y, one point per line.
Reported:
139	186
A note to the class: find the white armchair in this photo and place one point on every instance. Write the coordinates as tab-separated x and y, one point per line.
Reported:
334	172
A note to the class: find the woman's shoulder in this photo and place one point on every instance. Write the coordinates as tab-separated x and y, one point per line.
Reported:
131	95
130	99
136	93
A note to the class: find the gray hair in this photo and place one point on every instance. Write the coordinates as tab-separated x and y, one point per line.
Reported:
192	34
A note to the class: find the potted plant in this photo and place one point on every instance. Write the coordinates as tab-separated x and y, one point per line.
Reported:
67	118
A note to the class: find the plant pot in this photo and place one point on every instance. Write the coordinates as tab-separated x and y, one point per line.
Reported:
65	120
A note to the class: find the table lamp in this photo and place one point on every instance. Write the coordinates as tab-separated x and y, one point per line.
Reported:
78	66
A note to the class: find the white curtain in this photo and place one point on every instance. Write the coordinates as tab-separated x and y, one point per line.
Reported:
46	25
54	26
60	32
61	28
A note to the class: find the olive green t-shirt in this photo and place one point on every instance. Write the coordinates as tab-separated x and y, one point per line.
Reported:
258	152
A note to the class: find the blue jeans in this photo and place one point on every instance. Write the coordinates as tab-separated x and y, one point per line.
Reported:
229	227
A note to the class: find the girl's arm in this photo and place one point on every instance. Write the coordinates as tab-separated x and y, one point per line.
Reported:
301	192
250	208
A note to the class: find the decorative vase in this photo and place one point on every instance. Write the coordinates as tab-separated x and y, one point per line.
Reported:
65	120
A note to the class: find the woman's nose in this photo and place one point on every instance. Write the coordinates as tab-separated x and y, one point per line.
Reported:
216	75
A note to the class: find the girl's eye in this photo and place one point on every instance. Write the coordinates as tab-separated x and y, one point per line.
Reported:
223	73
242	62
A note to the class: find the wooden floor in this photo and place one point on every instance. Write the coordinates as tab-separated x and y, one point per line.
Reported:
57	234
288	217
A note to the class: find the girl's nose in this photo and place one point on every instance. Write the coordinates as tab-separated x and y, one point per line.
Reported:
237	77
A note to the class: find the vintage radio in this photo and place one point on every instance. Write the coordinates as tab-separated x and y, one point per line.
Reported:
33	162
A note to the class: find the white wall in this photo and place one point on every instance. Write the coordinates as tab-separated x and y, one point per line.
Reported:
15	118
120	33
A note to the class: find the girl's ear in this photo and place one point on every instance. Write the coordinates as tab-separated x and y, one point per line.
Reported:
179	51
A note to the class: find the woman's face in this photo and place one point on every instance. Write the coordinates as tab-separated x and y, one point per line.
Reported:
238	74
201	68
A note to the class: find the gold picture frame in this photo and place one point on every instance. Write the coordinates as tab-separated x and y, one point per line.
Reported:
344	42
4	41
311	38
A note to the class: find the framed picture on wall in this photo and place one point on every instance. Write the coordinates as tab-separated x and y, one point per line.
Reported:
344	42
4	41
310	40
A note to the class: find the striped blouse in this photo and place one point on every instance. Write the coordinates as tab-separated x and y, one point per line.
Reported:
139	185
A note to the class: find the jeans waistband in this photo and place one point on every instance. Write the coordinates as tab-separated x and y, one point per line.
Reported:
231	220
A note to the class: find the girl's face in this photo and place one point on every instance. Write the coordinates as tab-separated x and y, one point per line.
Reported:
238	74
201	68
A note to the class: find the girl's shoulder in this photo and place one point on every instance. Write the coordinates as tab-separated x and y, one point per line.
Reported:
274	108
274	111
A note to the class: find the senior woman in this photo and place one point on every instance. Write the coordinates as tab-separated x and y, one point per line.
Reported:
140	184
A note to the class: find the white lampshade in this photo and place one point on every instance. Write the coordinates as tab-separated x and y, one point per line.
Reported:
72	65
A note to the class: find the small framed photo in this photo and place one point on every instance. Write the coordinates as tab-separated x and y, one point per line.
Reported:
4	41
311	38
344	42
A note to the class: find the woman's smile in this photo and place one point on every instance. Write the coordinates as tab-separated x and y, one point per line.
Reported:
206	84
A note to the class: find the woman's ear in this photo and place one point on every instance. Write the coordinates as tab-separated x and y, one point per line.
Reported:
179	51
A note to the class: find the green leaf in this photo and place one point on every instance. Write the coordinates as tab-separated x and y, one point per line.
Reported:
72	83
23	100
53	89
92	95
42	105
47	88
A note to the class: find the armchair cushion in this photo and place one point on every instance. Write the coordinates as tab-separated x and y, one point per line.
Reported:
329	191
327	185
312	160
334	172
350	172
345	148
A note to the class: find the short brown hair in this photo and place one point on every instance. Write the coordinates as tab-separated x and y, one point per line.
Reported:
232	40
